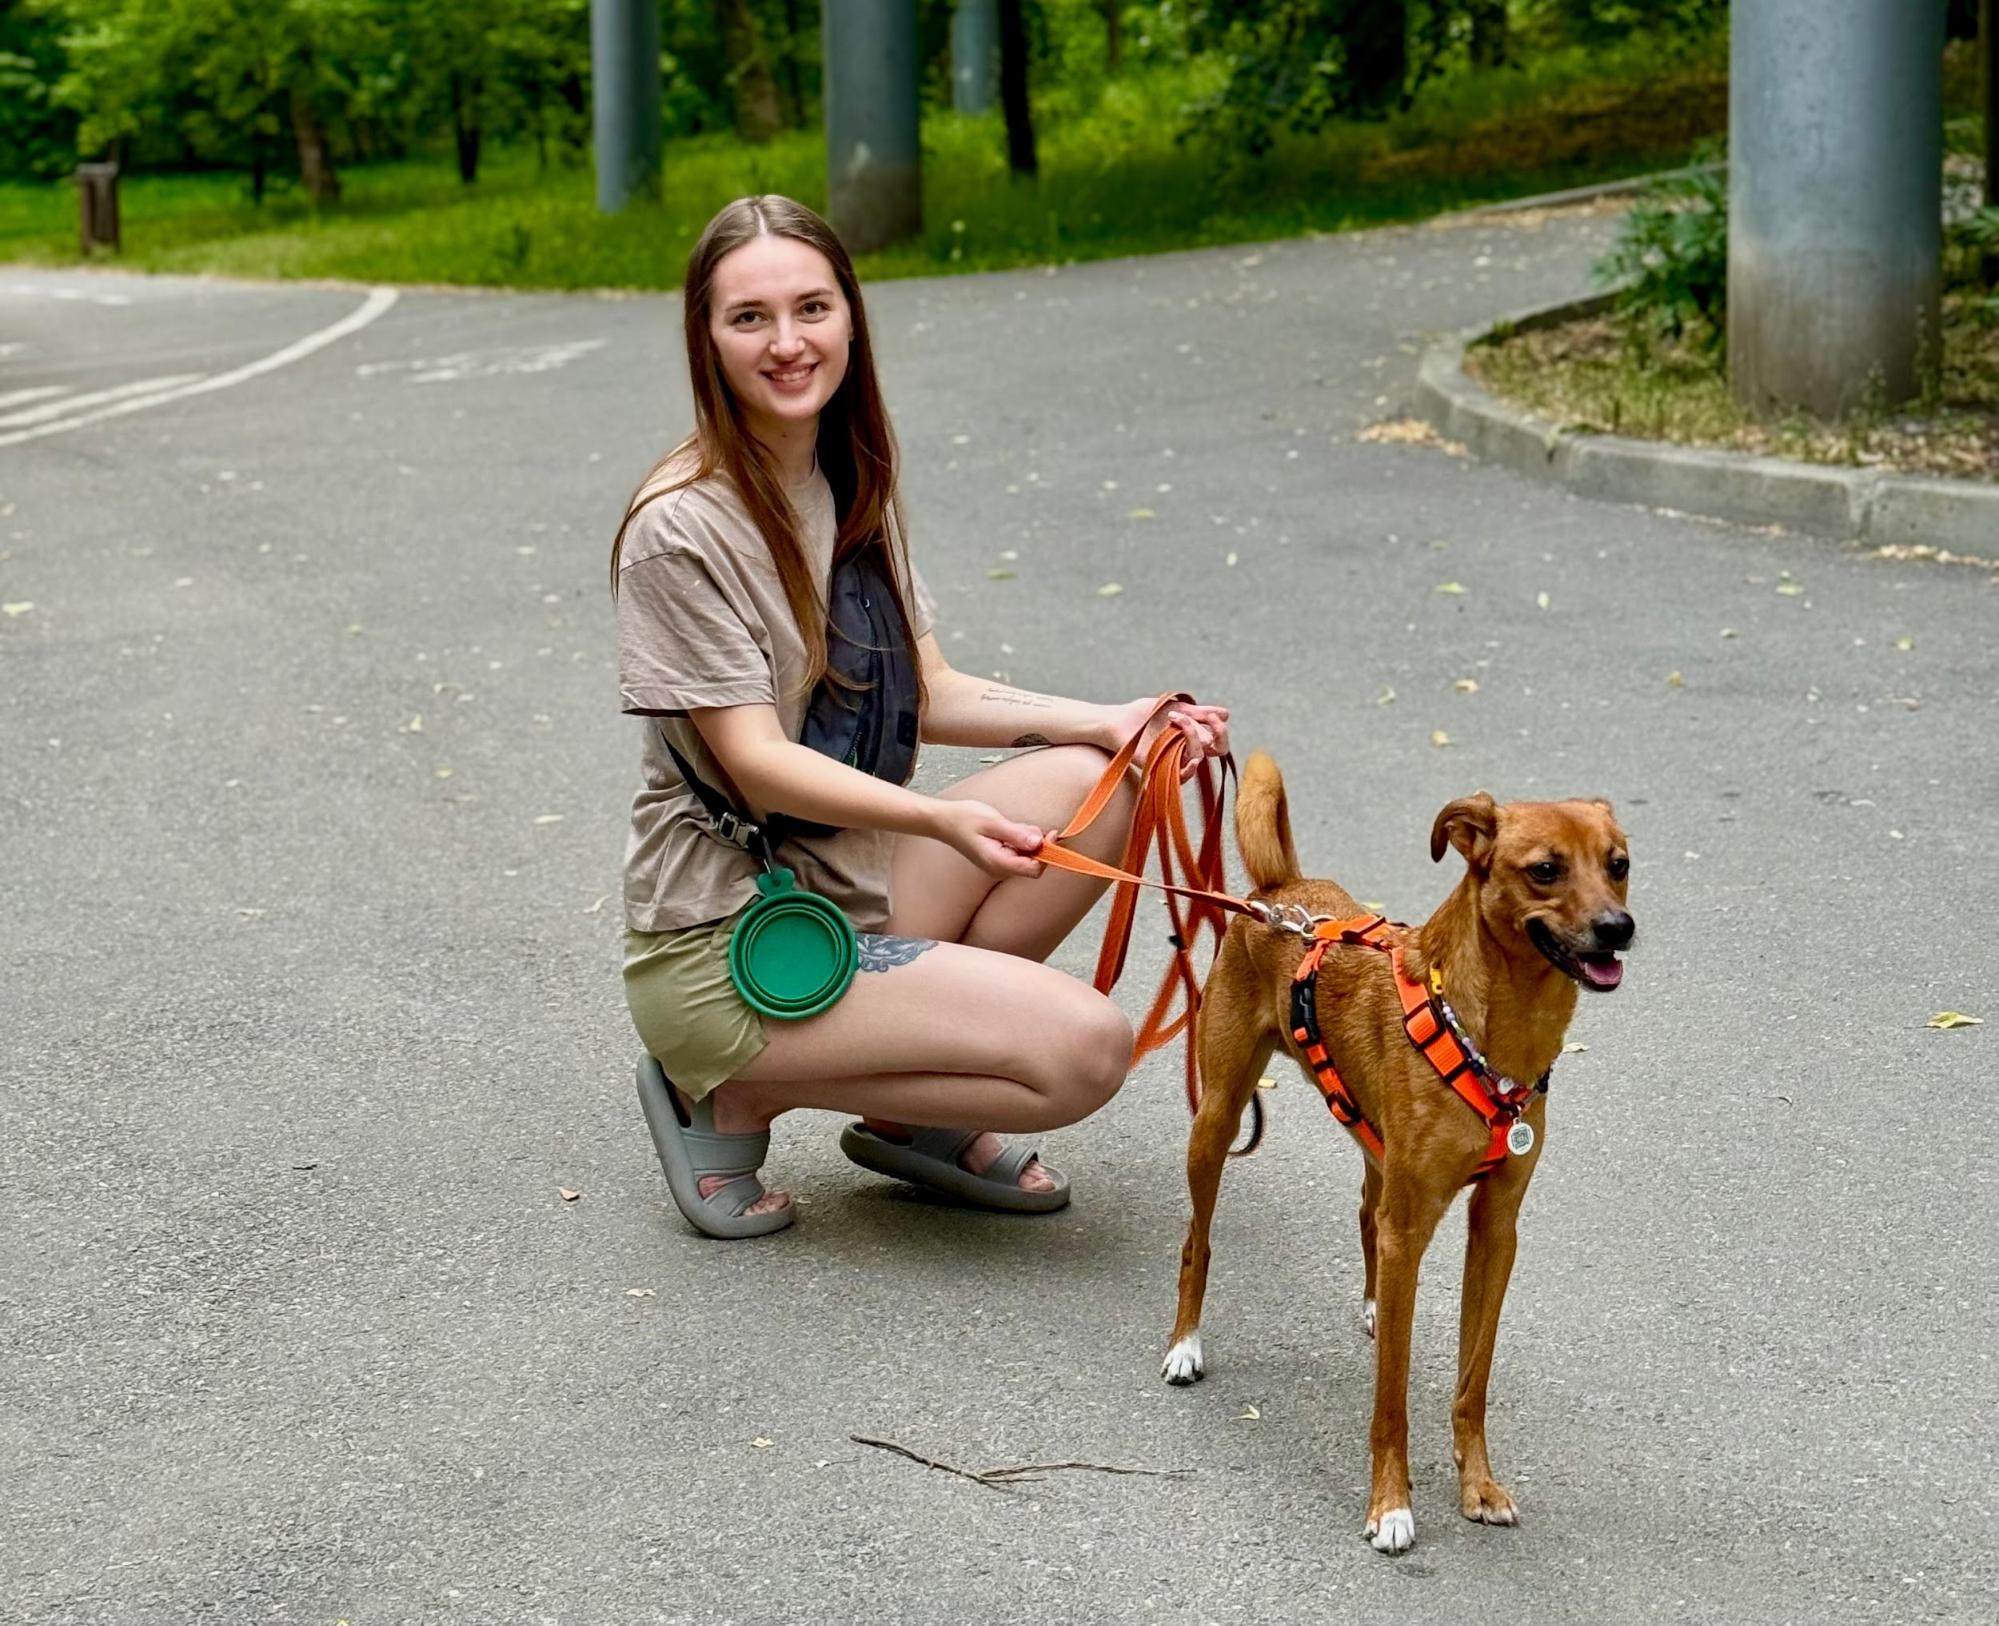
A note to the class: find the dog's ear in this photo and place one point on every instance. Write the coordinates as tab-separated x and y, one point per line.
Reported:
1468	824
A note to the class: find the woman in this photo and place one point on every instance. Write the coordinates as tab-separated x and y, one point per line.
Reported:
722	571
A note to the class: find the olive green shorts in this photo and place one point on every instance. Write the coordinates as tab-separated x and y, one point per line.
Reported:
686	1009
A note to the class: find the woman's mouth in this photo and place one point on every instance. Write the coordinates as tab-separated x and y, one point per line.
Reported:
790	379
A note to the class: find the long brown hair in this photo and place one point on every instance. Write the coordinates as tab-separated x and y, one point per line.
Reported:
856	444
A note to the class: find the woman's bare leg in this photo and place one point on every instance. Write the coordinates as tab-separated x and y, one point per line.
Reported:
1049	1027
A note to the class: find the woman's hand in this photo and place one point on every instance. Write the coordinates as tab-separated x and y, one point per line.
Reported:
1206	728
1000	846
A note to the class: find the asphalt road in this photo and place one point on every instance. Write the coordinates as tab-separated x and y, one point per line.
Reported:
312	797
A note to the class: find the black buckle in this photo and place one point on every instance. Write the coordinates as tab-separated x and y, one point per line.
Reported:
732	827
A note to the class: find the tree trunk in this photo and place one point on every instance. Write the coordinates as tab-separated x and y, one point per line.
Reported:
1376	33
1988	54
1488	33
259	165
1113	34
794	86
465	126
1020	157
754	91
315	158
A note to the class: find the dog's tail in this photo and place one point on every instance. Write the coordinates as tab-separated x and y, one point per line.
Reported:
1263	825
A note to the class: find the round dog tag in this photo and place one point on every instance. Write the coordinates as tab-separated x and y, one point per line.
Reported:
793	953
1520	1139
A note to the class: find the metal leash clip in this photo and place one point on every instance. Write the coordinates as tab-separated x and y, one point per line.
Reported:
1286	917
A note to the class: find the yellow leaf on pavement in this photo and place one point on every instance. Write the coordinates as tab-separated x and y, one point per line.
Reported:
1954	1019
1109	590
1449	587
1439	738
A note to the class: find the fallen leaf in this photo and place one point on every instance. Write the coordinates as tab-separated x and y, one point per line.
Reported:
1675	681
1954	1019
414	725
762	1444
22	607
354	629
1266	1082
1541	599
1010	553
640	1293
1439	737
183	581
1789	589
1385	698
1141	513
549	818
568	1196
597	908
441	773
1399	431
1905	643
1000	574
1109	590
1453	588
1574	1049
1249	1412
1230	560
1466	685
1730	632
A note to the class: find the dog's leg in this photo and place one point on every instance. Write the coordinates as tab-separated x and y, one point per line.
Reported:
1235	1047
1405	1216
1370	1196
1489	1248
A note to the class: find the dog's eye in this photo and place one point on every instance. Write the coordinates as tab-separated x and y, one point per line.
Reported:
1545	873
1620	866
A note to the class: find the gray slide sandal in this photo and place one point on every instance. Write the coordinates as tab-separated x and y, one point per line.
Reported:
930	1160
690	1149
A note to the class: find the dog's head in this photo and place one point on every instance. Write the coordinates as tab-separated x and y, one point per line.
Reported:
1548	877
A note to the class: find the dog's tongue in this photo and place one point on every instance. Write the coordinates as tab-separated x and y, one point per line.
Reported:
1605	973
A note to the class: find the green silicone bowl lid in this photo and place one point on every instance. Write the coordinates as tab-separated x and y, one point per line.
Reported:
793	953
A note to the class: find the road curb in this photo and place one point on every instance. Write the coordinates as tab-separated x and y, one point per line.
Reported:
1850	504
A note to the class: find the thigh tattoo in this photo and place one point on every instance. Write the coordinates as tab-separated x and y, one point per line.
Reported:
880	953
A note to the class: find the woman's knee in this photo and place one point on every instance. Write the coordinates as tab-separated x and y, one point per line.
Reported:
1086	1062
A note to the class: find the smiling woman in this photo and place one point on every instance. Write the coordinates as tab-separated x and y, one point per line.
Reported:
776	640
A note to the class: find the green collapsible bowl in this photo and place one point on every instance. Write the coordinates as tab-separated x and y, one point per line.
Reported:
793	953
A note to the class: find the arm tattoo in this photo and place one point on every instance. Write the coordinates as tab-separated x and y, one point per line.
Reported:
1033	739
1017	697
879	953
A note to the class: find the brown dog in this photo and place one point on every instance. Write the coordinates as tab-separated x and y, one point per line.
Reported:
1539	912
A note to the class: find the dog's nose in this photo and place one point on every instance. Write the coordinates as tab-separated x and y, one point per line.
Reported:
1613	929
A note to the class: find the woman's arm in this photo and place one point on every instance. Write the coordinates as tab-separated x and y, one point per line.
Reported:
964	710
780	775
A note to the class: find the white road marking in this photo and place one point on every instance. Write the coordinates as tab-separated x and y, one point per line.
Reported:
378	301
41	392
525	358
31	290
73	403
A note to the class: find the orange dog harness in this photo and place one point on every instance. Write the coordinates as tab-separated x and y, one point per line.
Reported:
1433	1028
1196	902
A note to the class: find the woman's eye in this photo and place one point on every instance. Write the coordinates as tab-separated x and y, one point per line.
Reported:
819	305
744	318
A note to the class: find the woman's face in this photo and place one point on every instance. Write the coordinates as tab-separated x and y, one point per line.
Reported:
781	328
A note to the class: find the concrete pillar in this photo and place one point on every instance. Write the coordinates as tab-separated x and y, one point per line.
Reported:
1835	123
624	80
874	164
975	55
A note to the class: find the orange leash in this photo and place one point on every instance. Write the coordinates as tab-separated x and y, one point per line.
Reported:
1192	877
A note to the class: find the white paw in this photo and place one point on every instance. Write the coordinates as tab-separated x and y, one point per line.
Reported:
1183	1361
1396	1532
1367	1317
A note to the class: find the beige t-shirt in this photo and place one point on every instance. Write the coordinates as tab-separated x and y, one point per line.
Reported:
703	621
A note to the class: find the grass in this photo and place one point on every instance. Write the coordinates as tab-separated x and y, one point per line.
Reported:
1114	182
1587	375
